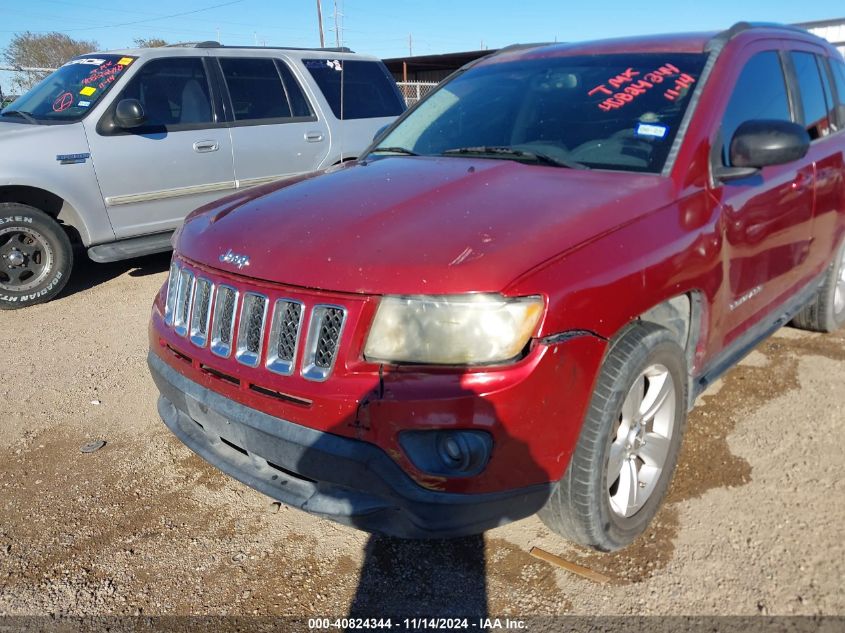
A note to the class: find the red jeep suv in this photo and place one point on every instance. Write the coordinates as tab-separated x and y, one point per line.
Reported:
510	303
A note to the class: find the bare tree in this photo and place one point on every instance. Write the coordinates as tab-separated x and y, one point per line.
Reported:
150	42
48	50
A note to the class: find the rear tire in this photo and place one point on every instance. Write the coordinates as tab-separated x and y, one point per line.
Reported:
629	443
36	256
826	313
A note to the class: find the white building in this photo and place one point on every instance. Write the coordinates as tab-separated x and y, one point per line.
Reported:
831	30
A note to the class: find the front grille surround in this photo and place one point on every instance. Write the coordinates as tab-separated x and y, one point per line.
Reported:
285	334
253	326
251	330
223	322
325	331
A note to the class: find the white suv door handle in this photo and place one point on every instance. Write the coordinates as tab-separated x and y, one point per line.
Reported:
206	146
313	137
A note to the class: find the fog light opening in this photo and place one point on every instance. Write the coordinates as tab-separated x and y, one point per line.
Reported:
449	453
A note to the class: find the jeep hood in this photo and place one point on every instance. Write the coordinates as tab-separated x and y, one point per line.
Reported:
417	225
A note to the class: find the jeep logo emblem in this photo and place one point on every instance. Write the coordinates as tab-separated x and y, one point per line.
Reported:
233	258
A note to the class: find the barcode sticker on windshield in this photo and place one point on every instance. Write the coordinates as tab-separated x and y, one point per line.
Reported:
652	129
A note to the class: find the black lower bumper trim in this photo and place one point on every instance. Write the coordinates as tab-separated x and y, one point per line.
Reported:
346	480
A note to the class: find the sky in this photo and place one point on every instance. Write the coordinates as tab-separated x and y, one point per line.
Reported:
389	29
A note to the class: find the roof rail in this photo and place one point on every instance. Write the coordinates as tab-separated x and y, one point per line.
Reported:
213	44
718	41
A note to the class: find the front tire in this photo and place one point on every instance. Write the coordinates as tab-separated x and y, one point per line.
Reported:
826	313
629	444
36	256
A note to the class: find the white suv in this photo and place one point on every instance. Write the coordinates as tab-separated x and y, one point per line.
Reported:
112	150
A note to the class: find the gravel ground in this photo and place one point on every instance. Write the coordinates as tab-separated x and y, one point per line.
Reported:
754	523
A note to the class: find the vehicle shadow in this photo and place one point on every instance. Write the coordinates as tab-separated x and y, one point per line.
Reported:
437	578
87	274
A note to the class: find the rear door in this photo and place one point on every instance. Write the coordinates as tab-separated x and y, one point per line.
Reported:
767	218
181	158
819	95
275	129
362	97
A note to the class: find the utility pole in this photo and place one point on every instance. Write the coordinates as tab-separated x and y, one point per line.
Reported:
410	44
320	24
338	25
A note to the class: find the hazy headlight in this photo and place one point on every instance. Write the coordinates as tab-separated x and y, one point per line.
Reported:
452	329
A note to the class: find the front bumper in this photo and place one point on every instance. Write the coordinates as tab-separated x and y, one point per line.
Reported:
340	478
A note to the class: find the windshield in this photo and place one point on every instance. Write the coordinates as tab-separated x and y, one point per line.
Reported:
71	91
597	111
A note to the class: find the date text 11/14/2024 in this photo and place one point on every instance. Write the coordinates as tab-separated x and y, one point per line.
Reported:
417	624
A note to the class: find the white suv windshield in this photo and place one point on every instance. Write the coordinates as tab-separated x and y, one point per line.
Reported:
599	111
70	92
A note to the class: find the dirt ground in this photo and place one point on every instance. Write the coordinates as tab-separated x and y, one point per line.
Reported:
754	523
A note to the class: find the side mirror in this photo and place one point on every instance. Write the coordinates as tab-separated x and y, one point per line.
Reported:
129	114
760	143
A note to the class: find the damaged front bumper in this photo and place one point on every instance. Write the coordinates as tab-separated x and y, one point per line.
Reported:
340	478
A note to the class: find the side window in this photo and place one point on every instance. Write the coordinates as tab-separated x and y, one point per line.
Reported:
759	93
824	72
255	88
838	68
368	89
173	91
812	94
298	101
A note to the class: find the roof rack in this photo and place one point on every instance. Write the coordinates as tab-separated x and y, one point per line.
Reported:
719	40
213	44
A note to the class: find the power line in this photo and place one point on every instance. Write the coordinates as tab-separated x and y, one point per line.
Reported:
161	17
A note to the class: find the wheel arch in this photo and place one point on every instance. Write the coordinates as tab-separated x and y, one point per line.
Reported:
53	205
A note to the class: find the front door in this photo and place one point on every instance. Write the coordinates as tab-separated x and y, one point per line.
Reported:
151	177
767	219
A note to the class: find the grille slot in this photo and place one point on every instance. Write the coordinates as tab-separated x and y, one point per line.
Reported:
201	316
251	330
182	307
223	323
284	336
324	334
172	287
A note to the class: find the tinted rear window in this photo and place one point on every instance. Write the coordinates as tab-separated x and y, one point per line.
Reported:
255	88
812	94
368	89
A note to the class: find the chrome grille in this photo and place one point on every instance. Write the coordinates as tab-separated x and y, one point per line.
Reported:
324	334
172	286
201	315
284	336
182	307
211	314
251	331
223	323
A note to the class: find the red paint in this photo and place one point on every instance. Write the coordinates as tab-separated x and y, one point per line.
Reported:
602	247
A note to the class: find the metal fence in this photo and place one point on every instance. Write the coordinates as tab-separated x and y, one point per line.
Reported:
413	91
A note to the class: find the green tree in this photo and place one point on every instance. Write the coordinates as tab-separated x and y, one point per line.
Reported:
41	50
150	42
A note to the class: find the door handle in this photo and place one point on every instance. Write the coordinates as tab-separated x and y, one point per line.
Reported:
313	137
206	146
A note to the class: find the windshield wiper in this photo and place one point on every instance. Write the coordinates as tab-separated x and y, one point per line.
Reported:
26	116
538	157
395	150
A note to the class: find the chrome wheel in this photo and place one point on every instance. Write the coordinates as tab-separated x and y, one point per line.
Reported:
25	259
641	442
839	291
